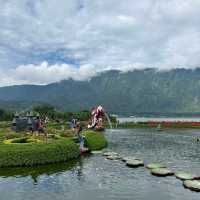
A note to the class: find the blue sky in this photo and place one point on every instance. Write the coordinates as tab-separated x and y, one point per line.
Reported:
44	41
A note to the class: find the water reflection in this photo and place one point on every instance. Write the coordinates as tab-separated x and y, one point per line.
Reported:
36	172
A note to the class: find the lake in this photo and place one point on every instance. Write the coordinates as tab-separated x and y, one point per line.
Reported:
94	177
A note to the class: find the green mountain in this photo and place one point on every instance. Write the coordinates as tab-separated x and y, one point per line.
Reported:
146	90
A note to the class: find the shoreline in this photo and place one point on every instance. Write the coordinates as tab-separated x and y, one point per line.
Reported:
129	125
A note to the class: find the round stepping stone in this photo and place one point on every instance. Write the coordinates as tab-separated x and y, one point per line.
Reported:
124	159
134	163
154	166
184	176
192	185
113	157
161	172
96	152
110	154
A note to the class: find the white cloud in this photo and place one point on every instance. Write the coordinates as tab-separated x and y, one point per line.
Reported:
45	73
103	34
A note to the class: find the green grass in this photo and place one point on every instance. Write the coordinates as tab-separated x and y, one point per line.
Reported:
95	140
30	154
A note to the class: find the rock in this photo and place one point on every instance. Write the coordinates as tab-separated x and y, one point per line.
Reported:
154	166
110	154
184	176
113	157
161	172
135	163
192	185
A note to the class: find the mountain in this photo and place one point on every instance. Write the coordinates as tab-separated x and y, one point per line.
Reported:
147	90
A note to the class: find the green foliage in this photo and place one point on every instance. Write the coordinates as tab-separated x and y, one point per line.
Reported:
5	115
45	110
82	115
4	125
37	153
95	140
52	113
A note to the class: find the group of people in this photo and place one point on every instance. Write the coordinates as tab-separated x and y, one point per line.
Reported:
38	125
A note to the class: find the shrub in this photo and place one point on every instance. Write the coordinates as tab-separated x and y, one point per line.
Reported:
67	133
37	153
12	135
95	140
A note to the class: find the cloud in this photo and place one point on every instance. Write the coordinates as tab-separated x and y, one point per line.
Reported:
45	74
106	34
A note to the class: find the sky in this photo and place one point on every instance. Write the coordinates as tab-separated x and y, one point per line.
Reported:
45	41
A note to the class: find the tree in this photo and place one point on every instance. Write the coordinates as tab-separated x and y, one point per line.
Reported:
45	111
5	115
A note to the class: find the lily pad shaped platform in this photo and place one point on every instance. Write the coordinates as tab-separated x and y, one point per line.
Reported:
161	172
96	152
184	176
113	157
192	185
135	163
125	159
154	166
110	154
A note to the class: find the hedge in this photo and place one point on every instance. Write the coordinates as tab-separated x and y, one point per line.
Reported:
30	154
95	140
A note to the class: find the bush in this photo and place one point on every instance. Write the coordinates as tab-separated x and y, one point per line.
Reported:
67	133
37	153
95	140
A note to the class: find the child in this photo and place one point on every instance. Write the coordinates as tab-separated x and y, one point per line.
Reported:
81	138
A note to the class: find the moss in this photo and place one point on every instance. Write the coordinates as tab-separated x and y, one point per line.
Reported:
95	140
30	154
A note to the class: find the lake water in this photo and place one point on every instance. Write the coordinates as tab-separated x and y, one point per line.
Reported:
94	177
158	119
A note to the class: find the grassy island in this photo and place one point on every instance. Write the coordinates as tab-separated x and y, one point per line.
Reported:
26	149
38	153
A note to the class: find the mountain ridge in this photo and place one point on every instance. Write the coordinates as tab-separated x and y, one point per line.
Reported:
148	90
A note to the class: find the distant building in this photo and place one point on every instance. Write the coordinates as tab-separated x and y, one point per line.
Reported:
25	123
